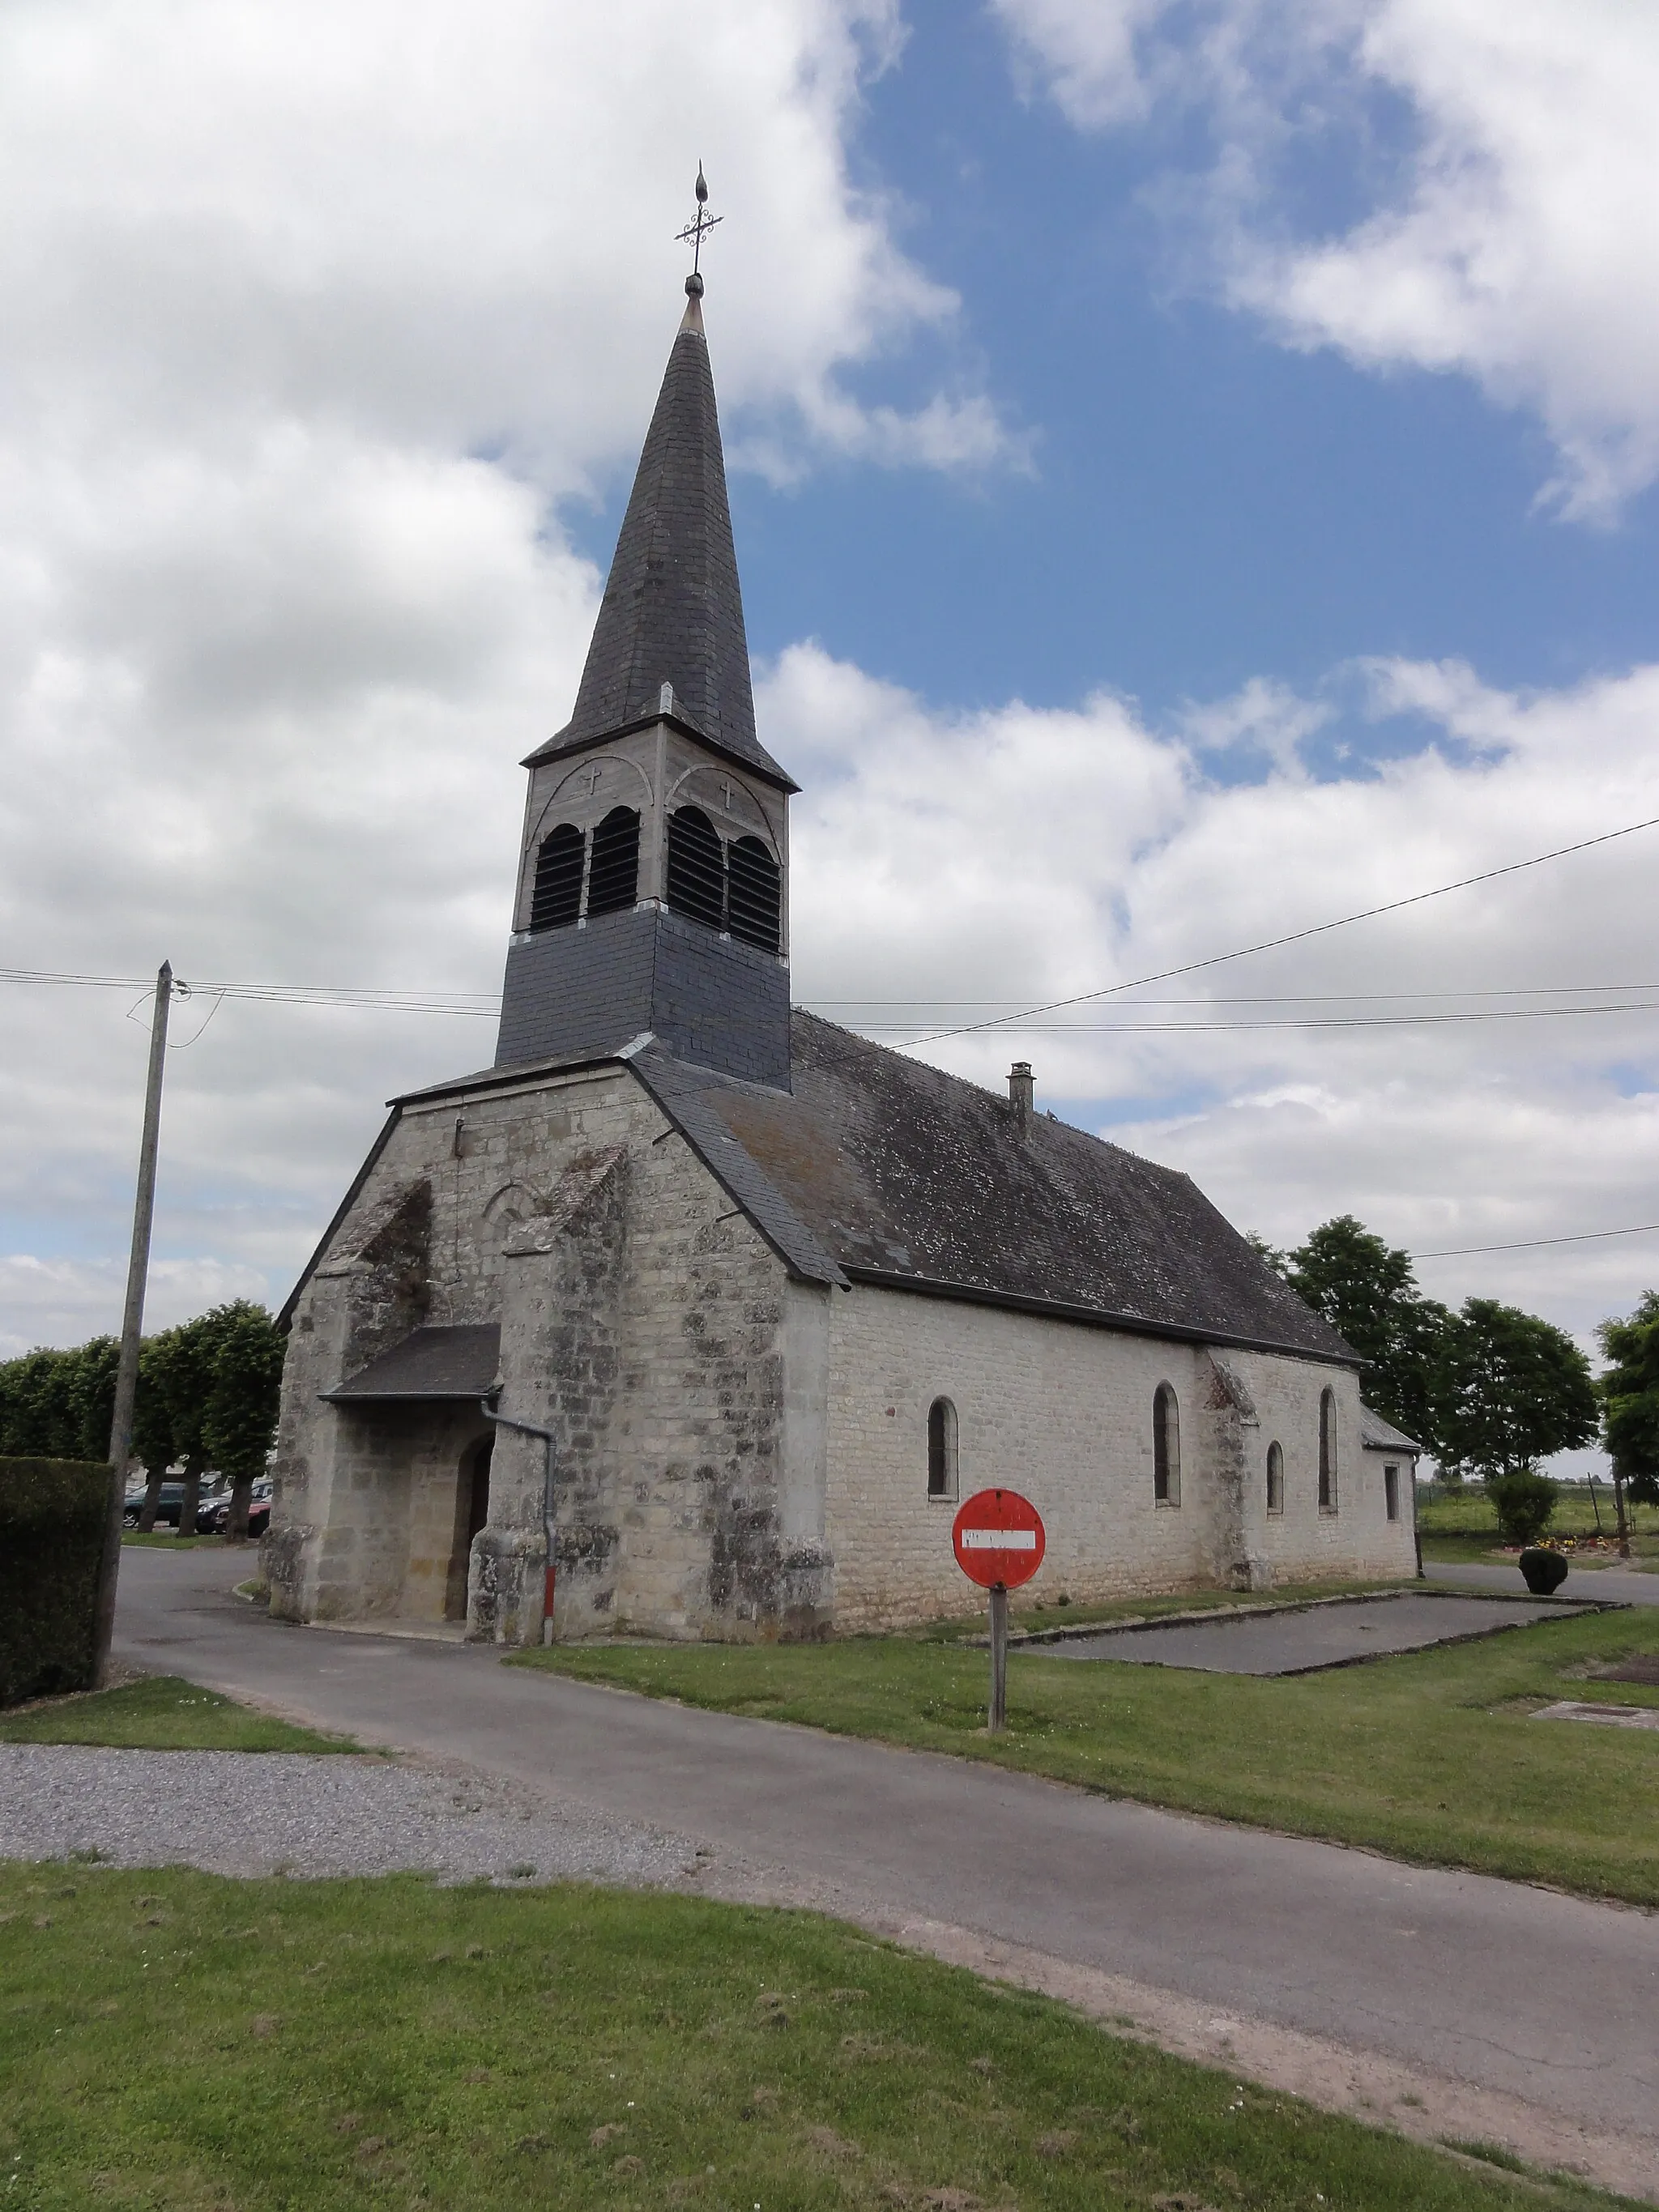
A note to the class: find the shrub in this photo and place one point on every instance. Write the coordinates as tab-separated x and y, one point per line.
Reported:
1524	1501
53	1515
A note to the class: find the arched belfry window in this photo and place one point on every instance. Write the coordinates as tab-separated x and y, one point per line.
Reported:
756	893
696	867
1327	1452
1275	1478
1166	1447
613	873
558	896
941	1449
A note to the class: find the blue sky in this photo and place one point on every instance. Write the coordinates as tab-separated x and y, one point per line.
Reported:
1203	503
1193	466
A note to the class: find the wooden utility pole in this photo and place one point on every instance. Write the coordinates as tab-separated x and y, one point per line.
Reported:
132	1328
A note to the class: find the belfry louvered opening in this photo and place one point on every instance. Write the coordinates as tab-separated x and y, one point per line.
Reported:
696	867
613	873
754	893
558	896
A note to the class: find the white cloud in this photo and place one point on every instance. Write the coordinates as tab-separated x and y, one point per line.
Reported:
315	316
948	867
1511	235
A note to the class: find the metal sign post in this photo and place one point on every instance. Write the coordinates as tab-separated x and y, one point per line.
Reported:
997	1537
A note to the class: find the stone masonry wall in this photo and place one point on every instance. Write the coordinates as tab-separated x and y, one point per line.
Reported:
642	1319
1064	1413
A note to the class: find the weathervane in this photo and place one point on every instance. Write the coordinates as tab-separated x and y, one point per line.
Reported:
695	231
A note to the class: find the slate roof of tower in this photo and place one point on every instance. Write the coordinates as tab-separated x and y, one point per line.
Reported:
673	610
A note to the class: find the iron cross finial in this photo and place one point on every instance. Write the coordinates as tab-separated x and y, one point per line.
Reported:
695	231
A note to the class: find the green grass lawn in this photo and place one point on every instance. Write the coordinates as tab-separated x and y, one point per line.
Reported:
1430	1756
160	1713
167	1539
176	2039
1464	1526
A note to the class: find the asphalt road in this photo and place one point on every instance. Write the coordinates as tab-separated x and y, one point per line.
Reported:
1540	1997
1620	1585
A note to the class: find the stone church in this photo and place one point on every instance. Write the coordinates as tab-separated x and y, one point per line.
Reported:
777	1297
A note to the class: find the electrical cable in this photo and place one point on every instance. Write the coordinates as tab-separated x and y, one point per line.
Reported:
1532	1243
1294	936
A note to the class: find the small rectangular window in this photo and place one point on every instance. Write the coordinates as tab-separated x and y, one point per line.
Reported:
1391	1491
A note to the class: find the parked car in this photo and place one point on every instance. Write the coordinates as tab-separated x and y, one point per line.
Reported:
172	1505
166	1513
258	1510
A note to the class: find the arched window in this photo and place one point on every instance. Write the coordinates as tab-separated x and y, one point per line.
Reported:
558	896
941	1449
696	867
1327	1452
757	902
1166	1446
613	873
1276	1479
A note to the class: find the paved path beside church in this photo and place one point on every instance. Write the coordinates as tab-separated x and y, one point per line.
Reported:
1622	1585
1527	2001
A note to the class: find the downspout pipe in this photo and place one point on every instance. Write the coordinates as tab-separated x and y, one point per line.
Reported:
487	1405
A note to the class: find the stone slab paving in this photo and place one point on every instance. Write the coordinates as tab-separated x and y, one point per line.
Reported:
1636	1716
1297	1642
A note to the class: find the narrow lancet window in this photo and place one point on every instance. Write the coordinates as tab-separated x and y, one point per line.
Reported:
1327	1452
613	873
558	896
1275	1478
757	894
941	1449
696	867
1166	1447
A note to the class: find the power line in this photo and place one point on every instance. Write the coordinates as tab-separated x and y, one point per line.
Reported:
382	998
1532	1243
1284	998
1295	936
1018	1028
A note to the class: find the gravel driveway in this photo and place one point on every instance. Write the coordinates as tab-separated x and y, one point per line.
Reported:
246	1812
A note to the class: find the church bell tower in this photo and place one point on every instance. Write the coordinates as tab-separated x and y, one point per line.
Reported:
653	876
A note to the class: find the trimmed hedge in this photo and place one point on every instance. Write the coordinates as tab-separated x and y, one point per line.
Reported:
52	1519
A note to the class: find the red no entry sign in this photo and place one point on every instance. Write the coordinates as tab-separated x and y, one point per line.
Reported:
998	1539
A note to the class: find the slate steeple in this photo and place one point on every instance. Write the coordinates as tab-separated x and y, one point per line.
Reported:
673	610
654	874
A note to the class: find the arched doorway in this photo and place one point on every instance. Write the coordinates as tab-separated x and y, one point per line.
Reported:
472	1511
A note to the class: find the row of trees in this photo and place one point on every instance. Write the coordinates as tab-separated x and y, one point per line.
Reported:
207	1399
1487	1390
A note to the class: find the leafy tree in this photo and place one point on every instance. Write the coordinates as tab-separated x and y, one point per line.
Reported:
38	1418
240	1426
1278	1261
1629	1398
152	1427
1511	1388
1368	1292
92	1394
1525	1500
183	1364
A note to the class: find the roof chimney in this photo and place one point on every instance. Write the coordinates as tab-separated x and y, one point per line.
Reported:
1022	1090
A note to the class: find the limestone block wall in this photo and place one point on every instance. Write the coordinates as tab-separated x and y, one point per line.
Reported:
1303	1544
1064	1413
641	1318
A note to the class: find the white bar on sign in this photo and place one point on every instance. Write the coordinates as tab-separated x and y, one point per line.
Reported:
999	1539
